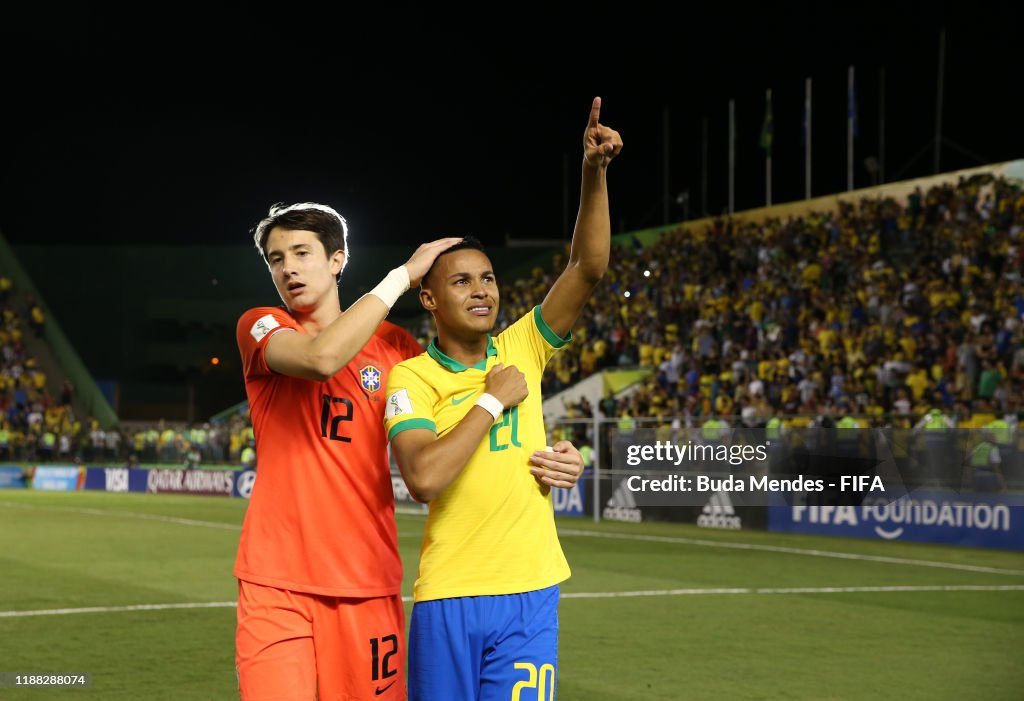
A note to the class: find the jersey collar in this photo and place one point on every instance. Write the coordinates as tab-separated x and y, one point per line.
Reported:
454	365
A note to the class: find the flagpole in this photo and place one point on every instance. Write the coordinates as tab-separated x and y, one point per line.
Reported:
938	102
850	108
807	139
704	167
665	215
768	155
881	126
732	155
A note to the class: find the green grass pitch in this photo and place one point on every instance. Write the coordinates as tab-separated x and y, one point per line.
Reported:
652	611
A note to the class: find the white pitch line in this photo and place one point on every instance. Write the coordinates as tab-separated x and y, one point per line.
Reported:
119	609
589	534
570	595
794	590
792	551
127	514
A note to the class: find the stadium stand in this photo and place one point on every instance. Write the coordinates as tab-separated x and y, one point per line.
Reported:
891	309
901	305
44	417
33	423
903	302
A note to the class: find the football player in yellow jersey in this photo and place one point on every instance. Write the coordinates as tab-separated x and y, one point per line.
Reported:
465	423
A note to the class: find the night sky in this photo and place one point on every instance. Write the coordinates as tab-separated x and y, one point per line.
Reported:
183	126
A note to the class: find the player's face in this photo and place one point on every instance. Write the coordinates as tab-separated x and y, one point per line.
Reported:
463	292
304	275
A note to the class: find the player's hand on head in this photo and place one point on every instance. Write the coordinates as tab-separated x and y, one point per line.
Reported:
600	143
424	257
506	384
560	467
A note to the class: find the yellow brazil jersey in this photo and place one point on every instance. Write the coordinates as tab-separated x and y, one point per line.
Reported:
492	530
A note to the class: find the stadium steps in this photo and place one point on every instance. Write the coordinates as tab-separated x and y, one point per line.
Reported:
48	364
55	354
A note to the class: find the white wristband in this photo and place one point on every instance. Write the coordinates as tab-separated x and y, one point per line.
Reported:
490	404
392	286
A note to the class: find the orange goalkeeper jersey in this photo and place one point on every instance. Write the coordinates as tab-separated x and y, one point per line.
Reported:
321	515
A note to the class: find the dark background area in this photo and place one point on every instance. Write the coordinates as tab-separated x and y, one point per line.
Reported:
177	127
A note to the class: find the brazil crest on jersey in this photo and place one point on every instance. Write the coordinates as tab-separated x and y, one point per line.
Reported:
492	531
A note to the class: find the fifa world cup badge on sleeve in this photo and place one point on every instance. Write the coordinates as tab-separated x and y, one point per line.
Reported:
398	404
263	326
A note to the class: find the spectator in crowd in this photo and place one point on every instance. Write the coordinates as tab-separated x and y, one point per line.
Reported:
248	456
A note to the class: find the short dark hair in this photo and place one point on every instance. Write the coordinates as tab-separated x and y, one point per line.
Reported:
470	242
329	226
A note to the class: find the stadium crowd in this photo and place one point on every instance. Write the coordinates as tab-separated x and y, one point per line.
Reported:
31	419
36	426
884	310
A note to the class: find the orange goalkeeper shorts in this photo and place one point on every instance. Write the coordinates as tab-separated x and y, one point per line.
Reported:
292	646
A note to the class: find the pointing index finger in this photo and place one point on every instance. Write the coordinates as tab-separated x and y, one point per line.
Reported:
595	113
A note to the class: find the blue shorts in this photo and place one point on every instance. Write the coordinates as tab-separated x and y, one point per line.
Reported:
485	648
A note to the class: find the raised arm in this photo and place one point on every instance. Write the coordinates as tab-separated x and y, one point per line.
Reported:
319	358
591	239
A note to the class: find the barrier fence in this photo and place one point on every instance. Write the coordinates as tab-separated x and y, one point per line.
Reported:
955	486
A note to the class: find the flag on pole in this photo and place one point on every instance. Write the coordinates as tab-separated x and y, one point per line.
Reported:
767	128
